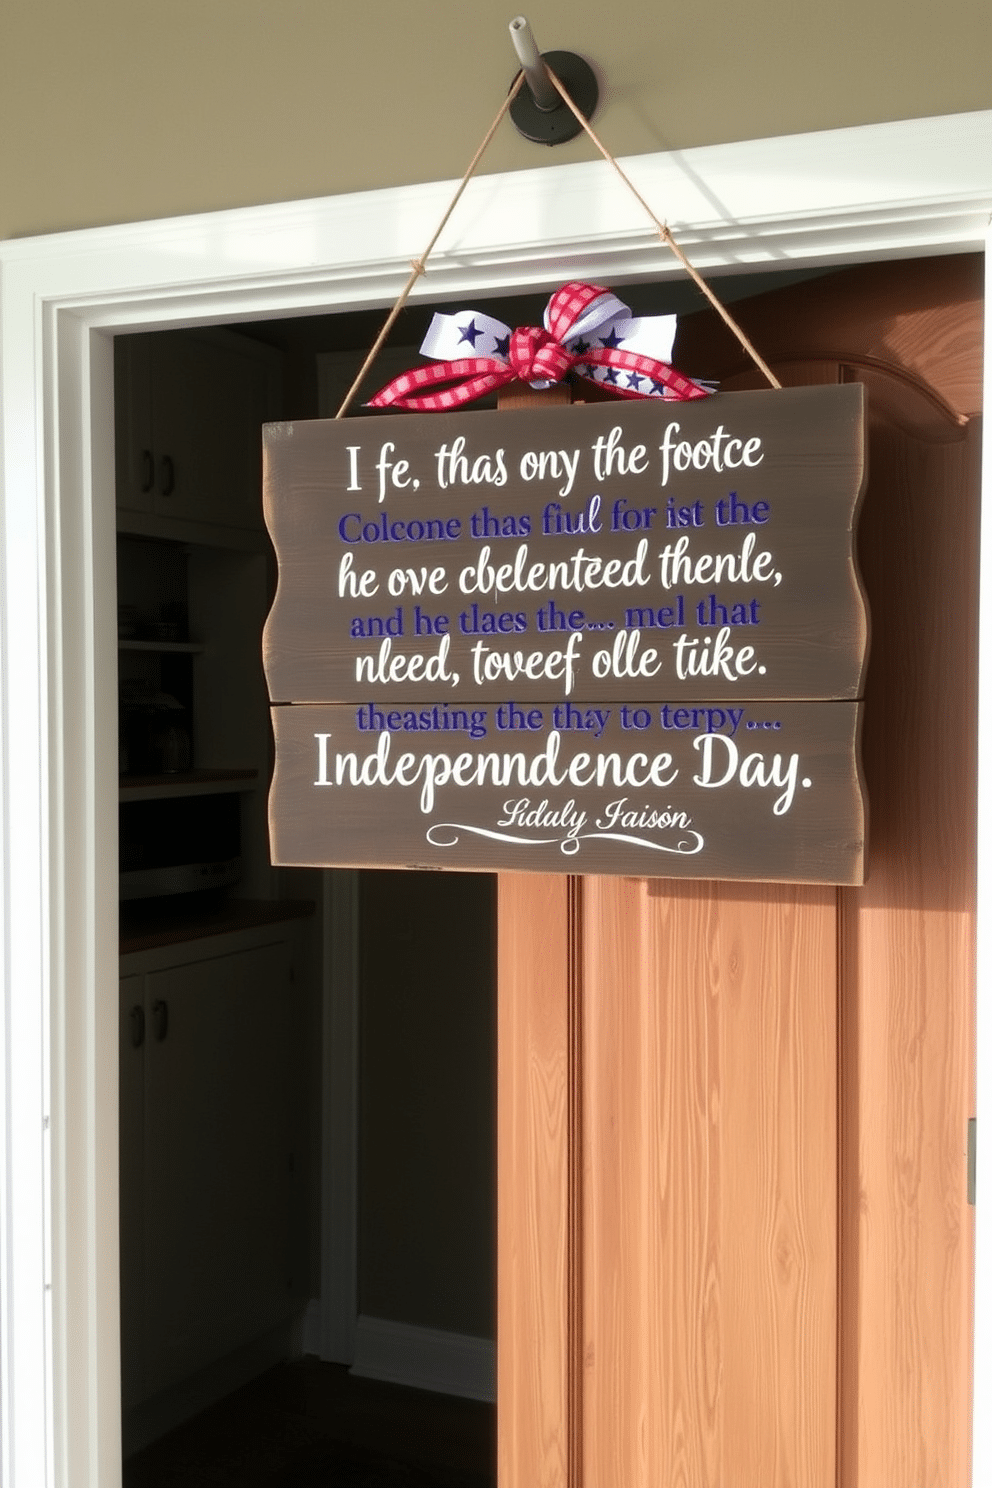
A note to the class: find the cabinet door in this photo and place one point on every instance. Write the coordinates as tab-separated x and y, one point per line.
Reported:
221	1127
133	421
208	405
189	410
132	1138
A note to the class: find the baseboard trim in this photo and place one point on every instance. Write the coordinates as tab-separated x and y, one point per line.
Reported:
311	1329
144	1423
427	1359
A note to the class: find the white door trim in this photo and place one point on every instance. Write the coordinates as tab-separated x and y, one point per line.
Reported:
982	1385
883	191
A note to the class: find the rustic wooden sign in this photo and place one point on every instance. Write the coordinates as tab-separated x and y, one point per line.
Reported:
650	549
482	596
695	790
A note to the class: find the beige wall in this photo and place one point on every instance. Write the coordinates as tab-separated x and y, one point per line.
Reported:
114	110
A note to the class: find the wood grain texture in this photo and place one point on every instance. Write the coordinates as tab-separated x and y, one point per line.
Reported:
521	395
667	525
776	1250
710	1141
784	805
912	334
538	1161
916	318
908	989
535	1094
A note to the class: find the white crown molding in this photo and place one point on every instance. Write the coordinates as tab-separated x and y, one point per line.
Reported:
880	190
887	190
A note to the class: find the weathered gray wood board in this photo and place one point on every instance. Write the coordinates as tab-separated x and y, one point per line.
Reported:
728	798
563	552
467	604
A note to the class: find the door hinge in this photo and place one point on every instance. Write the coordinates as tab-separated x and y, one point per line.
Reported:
972	1157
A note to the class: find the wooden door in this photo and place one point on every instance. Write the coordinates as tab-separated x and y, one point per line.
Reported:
735	1249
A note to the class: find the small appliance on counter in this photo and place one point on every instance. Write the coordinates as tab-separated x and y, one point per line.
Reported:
179	845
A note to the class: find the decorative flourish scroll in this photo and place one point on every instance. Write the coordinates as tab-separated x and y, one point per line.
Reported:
569	845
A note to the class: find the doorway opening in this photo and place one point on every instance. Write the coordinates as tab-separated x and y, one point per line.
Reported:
224	988
205	1311
321	378
425	1264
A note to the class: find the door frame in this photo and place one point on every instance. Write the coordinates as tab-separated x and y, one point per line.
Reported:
882	191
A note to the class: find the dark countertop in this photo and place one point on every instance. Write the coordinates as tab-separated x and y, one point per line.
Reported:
147	924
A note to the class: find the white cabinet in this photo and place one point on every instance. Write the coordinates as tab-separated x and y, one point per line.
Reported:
212	1128
213	1091
190	406
203	696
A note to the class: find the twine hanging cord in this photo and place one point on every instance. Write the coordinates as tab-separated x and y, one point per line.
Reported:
665	234
418	266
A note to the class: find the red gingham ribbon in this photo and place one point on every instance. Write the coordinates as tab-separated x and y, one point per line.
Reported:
535	355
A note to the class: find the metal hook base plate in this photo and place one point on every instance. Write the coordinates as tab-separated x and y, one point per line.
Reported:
557	125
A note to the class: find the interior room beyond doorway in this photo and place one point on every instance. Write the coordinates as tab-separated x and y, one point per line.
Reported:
390	973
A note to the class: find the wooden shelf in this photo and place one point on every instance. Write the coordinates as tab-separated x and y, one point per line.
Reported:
174	648
186	783
147	924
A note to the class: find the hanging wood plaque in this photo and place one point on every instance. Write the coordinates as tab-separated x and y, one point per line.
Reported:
624	637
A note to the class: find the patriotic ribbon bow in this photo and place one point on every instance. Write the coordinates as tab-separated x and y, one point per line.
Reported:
586	330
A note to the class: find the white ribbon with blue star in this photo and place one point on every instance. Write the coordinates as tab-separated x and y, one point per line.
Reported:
606	322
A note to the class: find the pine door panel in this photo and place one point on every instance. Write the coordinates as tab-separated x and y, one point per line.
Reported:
710	1189
908	986
735	1244
535	1199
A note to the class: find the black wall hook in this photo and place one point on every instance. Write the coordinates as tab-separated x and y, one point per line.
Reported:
538	110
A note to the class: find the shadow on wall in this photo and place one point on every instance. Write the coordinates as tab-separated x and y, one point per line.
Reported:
427	1100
